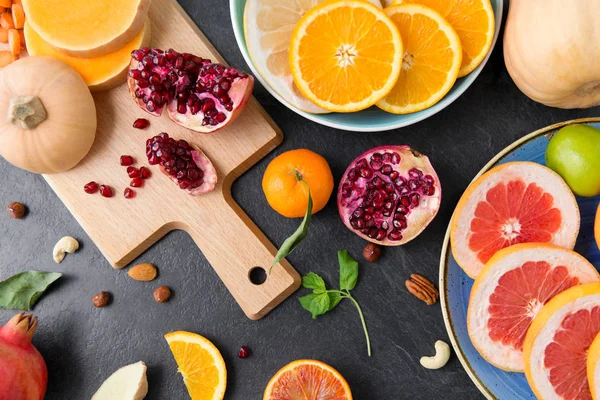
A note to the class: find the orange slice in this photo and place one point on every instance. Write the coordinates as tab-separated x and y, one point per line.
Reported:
431	59
200	363
345	55
509	292
557	344
516	202
474	22
307	380
268	27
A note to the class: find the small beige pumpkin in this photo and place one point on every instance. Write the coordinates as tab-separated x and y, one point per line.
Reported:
47	115
552	51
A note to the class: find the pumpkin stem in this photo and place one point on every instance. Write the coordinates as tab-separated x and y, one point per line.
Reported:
26	112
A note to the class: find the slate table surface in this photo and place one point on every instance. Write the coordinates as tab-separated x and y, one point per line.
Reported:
83	345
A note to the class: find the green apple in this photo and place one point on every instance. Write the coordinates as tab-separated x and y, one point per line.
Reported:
574	153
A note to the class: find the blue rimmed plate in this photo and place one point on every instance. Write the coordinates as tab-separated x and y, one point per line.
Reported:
455	285
372	119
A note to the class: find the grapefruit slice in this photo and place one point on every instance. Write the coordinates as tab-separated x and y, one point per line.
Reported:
557	343
509	292
307	380
593	368
516	202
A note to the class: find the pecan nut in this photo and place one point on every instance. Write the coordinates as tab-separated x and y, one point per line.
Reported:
422	289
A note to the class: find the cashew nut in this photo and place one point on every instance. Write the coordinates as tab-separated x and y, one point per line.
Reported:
63	246
442	355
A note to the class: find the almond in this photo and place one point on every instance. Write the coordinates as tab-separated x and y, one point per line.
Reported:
143	272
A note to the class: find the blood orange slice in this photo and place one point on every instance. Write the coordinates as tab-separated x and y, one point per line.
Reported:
307	380
509	292
593	368
516	202
597	227
557	343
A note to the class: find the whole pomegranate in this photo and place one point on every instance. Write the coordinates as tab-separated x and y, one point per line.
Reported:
199	95
23	373
389	194
185	164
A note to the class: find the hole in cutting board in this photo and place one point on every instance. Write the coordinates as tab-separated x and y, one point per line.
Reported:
257	275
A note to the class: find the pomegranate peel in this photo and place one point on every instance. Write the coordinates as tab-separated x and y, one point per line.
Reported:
23	372
389	194
198	94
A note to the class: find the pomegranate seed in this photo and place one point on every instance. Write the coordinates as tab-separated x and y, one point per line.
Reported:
145	173
129	193
133	172
137	182
127	160
106	191
91	187
244	352
141	123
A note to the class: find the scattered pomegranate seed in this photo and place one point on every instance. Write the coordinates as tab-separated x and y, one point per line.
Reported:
145	173
133	172
91	187
244	352
129	193
141	123
106	191
137	182
127	160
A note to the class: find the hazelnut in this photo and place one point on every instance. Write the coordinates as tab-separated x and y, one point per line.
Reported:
162	294
16	210
101	299
372	252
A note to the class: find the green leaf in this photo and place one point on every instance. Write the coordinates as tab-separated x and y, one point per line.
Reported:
297	237
348	270
21	291
314	282
316	304
334	299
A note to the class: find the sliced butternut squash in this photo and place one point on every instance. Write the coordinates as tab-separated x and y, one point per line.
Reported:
6	57
14	41
3	35
90	28
6	21
18	16
100	73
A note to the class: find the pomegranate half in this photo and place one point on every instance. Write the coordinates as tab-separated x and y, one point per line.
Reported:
185	164
23	372
199	95
389	194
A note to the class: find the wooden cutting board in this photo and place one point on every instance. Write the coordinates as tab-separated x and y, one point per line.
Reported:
123	229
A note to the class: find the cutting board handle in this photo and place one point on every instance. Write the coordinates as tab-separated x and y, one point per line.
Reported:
239	251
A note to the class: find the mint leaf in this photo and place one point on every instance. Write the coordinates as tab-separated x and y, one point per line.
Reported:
21	291
316	304
334	299
314	282
348	270
297	237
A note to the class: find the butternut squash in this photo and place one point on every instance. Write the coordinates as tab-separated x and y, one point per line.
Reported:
99	73
89	28
552	51
47	115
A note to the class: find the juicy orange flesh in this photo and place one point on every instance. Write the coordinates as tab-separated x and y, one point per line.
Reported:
352	34
308	382
519	292
469	20
565	357
427	59
513	212
196	364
